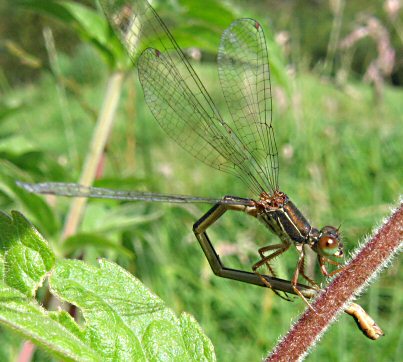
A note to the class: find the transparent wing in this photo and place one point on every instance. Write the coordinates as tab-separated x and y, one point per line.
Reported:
244	74
76	190
177	97
195	127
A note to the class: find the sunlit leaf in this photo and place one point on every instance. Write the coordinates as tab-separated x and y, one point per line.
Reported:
123	320
26	316
26	257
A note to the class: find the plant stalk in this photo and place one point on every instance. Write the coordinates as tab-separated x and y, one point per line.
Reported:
368	261
100	136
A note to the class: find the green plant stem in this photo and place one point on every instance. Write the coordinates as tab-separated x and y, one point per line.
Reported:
334	35
371	257
61	92
98	142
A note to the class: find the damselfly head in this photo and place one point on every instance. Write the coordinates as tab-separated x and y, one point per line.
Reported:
328	242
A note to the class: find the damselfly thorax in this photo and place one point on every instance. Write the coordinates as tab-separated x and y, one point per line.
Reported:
285	220
282	217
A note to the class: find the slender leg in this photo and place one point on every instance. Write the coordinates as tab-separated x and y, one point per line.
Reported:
199	229
265	260
300	269
265	249
322	260
295	279
330	261
302	272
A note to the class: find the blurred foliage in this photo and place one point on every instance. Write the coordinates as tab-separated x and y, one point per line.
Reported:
24	28
340	162
309	22
90	25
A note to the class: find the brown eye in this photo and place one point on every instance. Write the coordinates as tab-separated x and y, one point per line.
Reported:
327	244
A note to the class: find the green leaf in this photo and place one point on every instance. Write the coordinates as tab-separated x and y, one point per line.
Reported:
198	345
82	240
91	22
205	21
212	11
92	26
25	316
26	257
122	319
48	7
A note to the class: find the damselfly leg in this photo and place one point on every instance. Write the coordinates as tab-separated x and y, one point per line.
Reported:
322	260
265	260
199	229
300	266
306	277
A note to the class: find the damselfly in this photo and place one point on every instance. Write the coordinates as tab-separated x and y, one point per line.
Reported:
244	145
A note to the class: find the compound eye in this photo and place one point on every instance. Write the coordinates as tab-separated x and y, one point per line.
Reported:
328	245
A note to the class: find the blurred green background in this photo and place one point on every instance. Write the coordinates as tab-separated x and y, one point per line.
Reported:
337	77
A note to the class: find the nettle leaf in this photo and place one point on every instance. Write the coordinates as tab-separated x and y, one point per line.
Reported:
122	320
25	316
26	256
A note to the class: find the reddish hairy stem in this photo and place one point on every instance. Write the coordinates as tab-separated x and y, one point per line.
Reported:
371	257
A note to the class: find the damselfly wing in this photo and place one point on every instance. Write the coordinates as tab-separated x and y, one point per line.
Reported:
243	145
